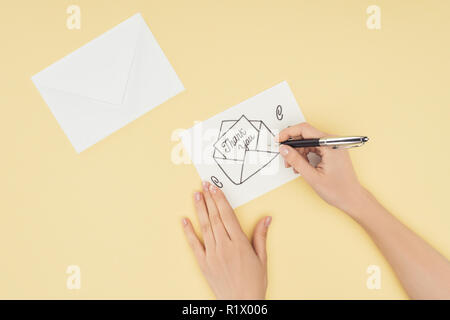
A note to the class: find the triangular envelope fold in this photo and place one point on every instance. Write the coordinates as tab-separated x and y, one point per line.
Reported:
231	168
254	161
100	69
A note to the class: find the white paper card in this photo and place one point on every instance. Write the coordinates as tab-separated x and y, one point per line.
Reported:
107	83
236	149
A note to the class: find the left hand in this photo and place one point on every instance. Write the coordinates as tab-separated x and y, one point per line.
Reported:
233	267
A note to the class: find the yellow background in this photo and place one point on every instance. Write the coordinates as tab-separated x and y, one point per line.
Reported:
115	209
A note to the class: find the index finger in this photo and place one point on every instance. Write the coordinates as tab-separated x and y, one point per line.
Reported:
303	130
227	214
205	225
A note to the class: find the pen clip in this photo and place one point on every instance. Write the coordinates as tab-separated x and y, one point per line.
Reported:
348	146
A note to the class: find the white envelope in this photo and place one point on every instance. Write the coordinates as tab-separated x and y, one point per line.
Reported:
255	158
107	83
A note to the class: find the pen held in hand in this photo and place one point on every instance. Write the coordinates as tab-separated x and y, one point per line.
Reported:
334	142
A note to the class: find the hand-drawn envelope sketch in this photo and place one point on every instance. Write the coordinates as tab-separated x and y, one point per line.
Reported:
236	149
258	151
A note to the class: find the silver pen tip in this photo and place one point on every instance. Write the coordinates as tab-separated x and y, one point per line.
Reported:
365	139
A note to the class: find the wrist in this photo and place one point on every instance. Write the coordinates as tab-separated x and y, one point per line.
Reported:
359	204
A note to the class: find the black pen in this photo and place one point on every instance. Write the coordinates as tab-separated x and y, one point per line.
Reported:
334	142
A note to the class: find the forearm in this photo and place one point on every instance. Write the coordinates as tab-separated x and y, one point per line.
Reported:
423	272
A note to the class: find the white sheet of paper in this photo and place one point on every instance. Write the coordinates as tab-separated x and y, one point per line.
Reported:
107	83
236	149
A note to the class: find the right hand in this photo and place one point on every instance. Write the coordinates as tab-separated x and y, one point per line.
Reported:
333	178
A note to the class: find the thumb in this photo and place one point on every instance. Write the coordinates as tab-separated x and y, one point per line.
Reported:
298	162
259	238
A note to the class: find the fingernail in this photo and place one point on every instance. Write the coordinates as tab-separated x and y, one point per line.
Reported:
197	196
277	138
267	221
205	185
184	221
212	188
284	151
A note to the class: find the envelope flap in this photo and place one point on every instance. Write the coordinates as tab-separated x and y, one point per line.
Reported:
100	69
255	161
266	139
